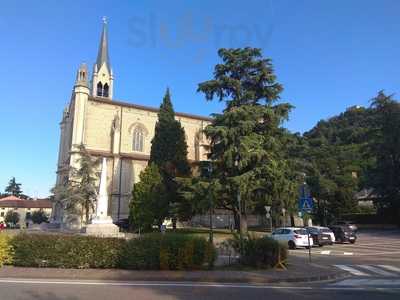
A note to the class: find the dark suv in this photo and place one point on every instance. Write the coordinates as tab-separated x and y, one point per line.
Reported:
344	234
348	224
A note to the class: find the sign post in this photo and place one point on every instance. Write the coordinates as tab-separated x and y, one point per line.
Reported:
306	204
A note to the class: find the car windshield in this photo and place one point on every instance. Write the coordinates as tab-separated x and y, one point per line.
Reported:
300	231
325	230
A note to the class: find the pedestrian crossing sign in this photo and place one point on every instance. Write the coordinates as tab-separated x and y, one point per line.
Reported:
306	204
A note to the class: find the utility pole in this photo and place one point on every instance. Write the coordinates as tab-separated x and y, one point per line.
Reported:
240	222
211	202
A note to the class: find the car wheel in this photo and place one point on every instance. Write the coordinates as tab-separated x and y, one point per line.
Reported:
291	245
319	245
352	242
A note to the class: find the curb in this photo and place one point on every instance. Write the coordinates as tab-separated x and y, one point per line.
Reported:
180	277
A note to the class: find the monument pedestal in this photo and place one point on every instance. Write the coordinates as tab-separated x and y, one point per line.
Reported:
103	227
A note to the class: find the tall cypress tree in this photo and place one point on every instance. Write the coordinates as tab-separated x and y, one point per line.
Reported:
169	152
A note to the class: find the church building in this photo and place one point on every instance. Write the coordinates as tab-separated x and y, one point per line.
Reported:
117	130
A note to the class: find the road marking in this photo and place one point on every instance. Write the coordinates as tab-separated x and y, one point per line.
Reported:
351	270
368	282
376	270
378	253
391	268
377	245
167	284
326	252
343	285
348	253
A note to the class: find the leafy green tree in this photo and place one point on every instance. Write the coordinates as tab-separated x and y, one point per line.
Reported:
12	217
39	217
13	188
169	153
149	206
338	161
245	140
385	145
78	195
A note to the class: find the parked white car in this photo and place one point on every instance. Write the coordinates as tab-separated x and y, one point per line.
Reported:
325	230
293	237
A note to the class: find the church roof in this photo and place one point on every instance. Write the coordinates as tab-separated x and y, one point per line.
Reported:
148	108
13	201
102	56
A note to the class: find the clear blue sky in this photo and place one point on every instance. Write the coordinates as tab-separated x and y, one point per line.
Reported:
329	55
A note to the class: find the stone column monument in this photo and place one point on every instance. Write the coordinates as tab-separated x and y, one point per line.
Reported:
102	223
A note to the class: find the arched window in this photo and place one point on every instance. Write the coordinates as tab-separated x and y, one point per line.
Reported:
138	137
105	90
100	89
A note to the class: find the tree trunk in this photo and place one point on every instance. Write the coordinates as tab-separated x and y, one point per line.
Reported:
236	220
174	223
87	213
243	223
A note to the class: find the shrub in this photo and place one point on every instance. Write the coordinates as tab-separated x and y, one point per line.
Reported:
60	251
6	250
167	252
39	217
261	253
12	217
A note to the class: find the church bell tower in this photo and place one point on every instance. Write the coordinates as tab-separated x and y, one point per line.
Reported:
102	79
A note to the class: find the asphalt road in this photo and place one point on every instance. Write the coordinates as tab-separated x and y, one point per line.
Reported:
73	290
372	248
373	262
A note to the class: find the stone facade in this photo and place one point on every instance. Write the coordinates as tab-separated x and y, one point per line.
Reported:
120	131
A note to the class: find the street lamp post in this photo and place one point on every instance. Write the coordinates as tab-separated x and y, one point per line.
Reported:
209	172
284	217
268	215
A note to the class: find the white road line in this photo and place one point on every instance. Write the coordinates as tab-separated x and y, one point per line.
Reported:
376	270
390	268
326	252
377	245
348	253
378	253
167	284
368	282
351	270
350	285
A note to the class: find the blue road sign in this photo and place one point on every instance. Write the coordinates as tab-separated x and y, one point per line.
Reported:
306	204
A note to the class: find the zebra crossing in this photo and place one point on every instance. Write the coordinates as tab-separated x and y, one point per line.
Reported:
371	270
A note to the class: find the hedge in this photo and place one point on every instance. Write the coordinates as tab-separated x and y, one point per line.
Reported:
168	252
262	253
61	251
6	251
148	252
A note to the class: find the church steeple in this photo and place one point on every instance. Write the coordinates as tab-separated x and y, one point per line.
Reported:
102	56
102	80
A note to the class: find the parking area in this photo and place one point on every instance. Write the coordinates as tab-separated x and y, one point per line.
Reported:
376	253
369	243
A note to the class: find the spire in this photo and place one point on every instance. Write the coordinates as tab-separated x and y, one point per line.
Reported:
102	56
102	77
